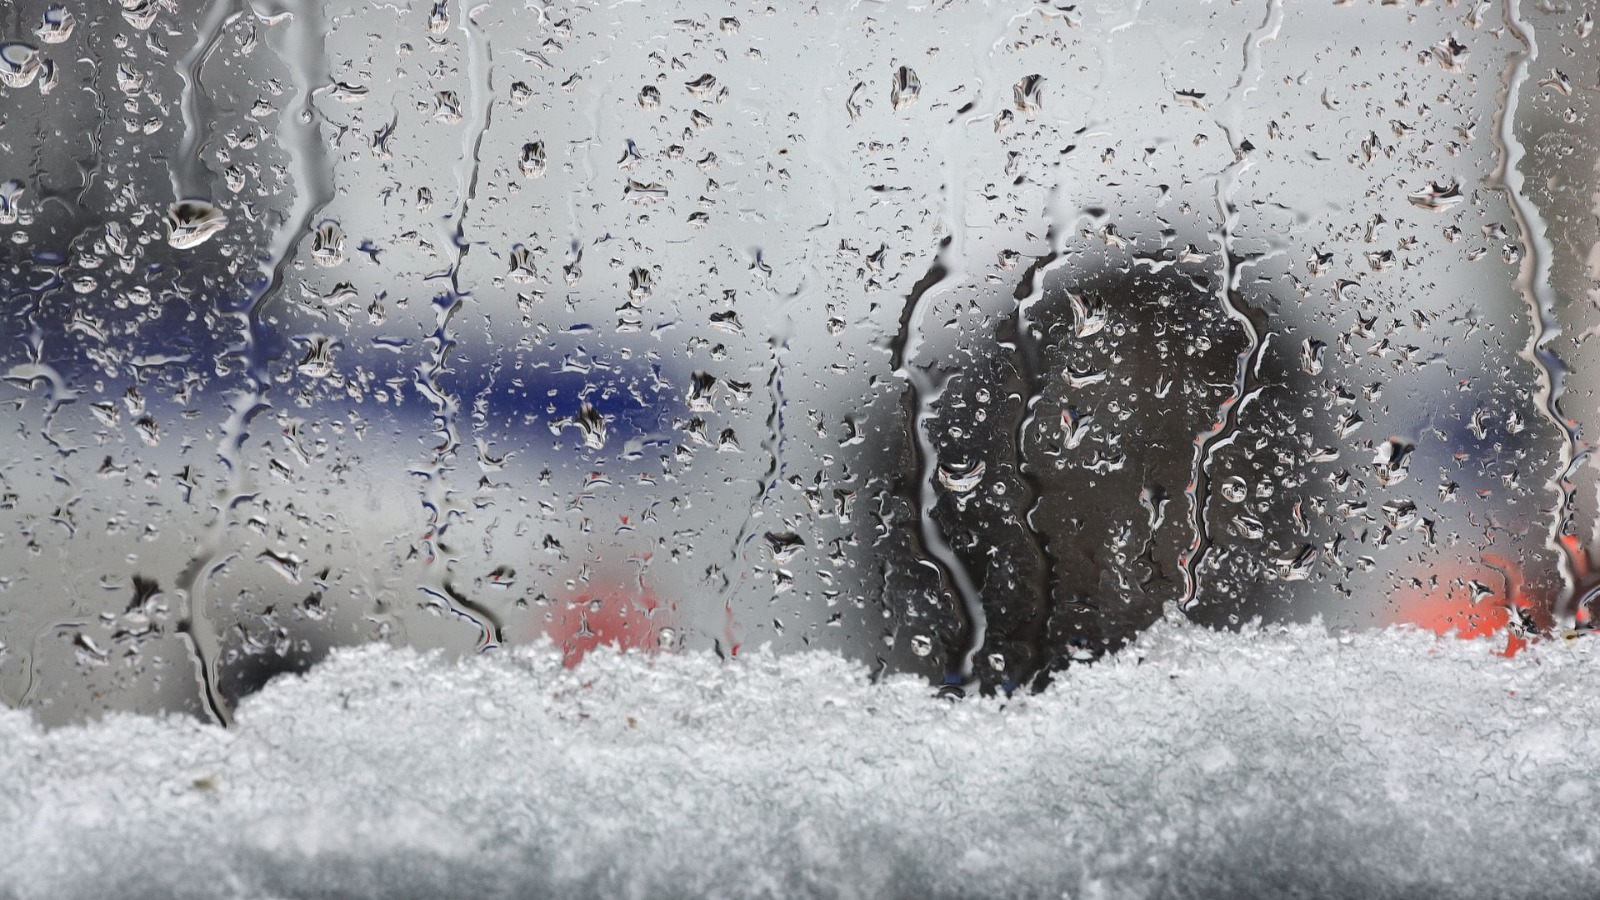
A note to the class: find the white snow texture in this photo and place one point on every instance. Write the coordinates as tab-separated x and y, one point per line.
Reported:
1282	762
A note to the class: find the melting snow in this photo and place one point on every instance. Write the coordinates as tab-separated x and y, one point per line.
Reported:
1283	762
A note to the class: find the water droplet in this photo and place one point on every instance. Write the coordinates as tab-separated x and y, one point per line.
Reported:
447	106
1298	567
1090	317
327	244
1450	54
1436	197
1074	426
10	193
318	360
1083	377
904	88
439	18
704	87
1393	462
1400	513
129	81
56	25
141	14
1311	354
349	93
644	193
702	392
921	644
191	223
1028	94
522	265
784	546
593	427
963	476
1558	82
852	104
532	162
19	64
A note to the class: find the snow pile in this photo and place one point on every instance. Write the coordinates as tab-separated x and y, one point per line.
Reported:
1278	763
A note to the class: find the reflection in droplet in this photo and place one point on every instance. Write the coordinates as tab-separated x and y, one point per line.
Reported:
191	223
1028	94
784	546
1436	197
10	193
704	87
141	14
1249	527
1090	317
1450	54
327	244
318	360
644	193
905	88
129	81
1393	461
1400	513
1233	489
1298	567
532	162
1311	354
349	93
447	106
522	265
19	64
962	476
56	25
702	392
593	427
1074	426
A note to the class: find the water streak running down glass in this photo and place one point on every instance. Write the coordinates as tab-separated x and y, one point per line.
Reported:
961	338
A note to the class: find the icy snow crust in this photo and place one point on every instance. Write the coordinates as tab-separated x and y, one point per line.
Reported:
1277	763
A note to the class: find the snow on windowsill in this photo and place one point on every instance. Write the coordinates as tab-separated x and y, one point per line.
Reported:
1282	762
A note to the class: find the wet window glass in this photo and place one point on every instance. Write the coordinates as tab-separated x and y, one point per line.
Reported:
966	340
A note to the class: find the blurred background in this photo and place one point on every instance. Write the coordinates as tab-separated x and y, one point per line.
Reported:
962	338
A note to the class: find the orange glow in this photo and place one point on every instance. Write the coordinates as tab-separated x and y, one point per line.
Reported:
626	618
1449	610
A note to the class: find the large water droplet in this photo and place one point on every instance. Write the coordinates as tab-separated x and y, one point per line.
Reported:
327	244
905	88
1028	94
532	162
593	427
963	476
56	25
19	64
784	546
191	223
10	193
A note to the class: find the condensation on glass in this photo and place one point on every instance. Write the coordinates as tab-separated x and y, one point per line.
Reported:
967	339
